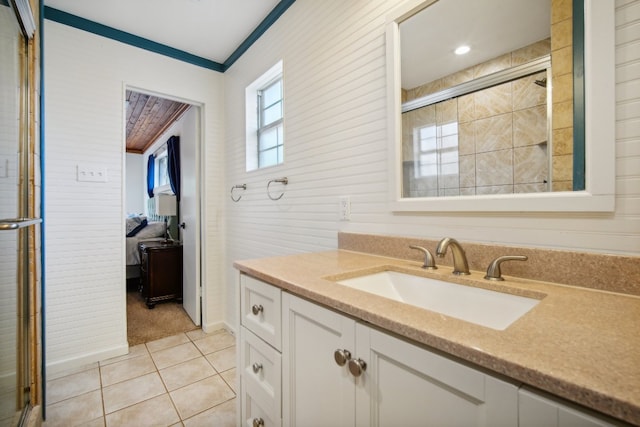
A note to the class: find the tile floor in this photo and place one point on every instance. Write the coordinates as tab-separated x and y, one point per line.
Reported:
183	380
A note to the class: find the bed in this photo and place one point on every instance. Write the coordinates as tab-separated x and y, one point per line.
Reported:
138	229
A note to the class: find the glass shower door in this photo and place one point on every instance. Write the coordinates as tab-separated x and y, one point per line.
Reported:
15	232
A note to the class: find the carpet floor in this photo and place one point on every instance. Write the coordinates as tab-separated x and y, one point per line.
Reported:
144	325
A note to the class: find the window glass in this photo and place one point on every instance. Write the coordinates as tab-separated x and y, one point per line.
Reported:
270	127
264	119
162	170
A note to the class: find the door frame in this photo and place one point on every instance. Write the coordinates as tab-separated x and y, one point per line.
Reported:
200	209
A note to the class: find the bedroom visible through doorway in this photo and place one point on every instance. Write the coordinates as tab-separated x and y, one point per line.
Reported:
162	134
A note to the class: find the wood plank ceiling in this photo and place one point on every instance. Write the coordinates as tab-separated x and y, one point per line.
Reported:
148	117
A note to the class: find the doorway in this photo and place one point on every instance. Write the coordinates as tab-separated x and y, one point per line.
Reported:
180	121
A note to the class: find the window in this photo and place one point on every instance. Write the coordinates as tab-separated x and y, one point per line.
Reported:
162	171
270	141
265	120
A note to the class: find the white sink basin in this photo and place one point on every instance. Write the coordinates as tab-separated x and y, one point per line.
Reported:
496	310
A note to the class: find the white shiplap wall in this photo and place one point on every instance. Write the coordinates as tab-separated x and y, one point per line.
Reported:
336	144
85	79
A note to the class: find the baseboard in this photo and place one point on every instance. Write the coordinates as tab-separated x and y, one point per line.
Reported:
78	363
212	327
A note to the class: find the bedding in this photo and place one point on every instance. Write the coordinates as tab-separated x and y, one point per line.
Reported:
151	231
134	224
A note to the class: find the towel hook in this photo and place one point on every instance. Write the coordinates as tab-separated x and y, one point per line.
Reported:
283	181
242	186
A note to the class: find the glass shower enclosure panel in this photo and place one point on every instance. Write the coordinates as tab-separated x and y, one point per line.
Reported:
15	262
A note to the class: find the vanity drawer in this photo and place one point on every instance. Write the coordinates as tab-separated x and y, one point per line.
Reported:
261	371
253	414
261	309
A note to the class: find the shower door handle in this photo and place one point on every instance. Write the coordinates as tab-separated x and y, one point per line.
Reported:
16	223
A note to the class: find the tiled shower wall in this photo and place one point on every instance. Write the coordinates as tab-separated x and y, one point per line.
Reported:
501	132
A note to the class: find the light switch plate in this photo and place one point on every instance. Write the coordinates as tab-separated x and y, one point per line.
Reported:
92	173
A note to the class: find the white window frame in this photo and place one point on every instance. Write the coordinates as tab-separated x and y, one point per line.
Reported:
252	113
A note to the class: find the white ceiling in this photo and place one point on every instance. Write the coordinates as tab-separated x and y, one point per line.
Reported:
211	29
490	27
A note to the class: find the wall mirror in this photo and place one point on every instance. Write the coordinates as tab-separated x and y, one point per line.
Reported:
509	125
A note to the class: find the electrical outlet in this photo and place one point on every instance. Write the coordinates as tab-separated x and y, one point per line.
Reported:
344	208
92	174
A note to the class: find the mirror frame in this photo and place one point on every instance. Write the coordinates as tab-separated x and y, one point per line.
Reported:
599	129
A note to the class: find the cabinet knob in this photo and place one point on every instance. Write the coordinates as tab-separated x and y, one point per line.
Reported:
357	367
341	356
257	309
258	422
256	367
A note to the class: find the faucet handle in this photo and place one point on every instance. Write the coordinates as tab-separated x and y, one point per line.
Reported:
493	271
429	262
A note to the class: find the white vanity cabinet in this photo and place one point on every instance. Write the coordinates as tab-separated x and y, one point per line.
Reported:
536	410
390	382
304	365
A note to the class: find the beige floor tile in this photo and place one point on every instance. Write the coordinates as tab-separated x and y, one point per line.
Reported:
174	355
75	411
130	392
223	360
158	411
200	396
223	415
126	370
186	373
135	351
98	422
167	342
215	342
197	334
53	374
229	377
73	385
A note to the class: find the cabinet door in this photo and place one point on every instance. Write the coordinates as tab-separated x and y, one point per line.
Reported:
407	385
536	410
316	391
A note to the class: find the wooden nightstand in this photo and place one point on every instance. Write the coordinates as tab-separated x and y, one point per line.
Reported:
160	271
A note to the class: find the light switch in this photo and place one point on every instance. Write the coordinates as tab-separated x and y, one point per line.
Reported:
92	173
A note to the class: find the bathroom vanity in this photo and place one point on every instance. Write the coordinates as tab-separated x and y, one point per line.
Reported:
313	351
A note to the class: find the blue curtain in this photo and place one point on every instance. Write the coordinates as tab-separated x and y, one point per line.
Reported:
173	164
151	165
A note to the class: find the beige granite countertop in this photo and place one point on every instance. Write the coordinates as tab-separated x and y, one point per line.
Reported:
577	343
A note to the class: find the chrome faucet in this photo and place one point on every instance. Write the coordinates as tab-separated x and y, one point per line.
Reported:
460	265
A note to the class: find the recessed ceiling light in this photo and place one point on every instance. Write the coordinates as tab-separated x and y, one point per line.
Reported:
461	50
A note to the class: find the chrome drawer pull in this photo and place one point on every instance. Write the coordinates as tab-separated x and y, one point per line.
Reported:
258	422
256	367
257	309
